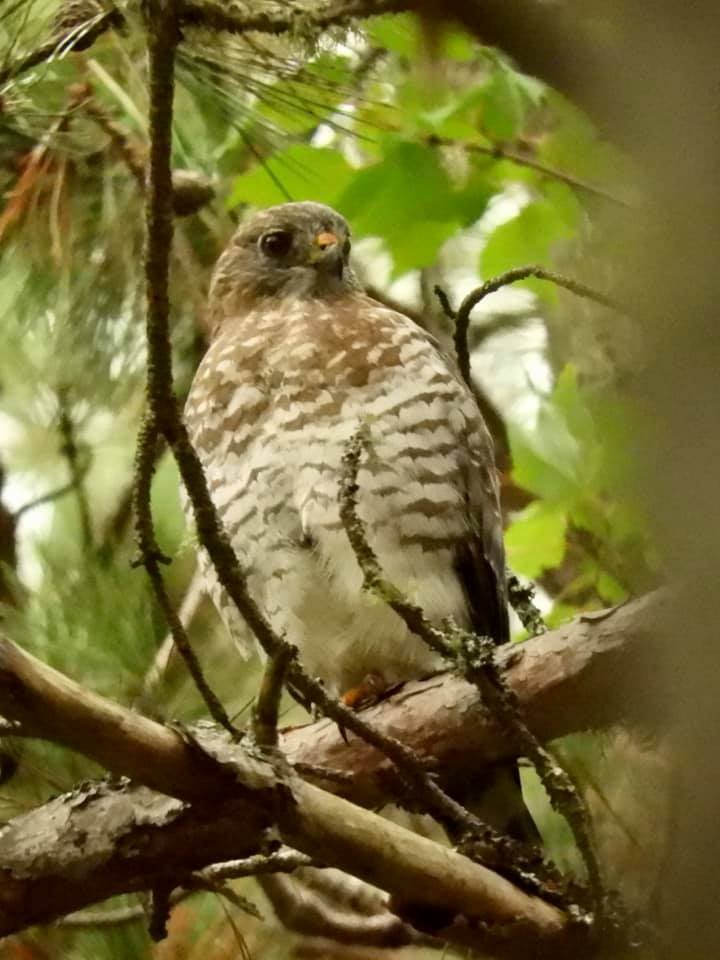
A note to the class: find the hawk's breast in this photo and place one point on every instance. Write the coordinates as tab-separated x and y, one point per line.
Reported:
273	404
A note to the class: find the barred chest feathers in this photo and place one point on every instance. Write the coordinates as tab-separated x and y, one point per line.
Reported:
273	404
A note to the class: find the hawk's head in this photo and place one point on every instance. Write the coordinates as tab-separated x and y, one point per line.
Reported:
291	250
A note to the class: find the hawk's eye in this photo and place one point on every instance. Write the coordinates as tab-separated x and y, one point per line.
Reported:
276	243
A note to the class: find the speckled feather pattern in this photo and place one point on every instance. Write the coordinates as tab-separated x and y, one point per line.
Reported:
280	391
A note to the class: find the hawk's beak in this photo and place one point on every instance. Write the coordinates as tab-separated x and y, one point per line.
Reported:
327	250
325	247
325	240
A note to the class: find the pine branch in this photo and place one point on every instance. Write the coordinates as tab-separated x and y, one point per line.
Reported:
58	46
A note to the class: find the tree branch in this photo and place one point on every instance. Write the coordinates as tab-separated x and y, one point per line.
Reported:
276	18
105	839
588	674
59	849
462	317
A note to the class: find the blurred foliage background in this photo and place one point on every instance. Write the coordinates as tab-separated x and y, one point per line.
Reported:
451	167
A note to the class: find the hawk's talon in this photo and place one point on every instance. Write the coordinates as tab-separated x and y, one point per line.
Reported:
373	688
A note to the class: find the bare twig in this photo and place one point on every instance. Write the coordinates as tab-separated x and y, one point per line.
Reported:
119	521
150	558
48	497
187	613
209	879
284	860
104	918
462	317
473	656
498	152
374	580
160	909
444	301
316	772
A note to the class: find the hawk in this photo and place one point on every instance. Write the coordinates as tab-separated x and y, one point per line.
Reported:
300	358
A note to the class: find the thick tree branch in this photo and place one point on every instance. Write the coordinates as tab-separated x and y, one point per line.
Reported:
107	839
216	776
586	675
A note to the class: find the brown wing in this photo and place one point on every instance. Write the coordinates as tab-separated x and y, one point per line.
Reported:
480	560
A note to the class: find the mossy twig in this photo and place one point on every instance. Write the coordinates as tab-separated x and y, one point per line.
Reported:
522	601
474	657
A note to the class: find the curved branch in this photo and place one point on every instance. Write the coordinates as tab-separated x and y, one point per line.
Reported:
462	317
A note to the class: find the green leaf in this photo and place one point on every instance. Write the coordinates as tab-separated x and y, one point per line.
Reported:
397	33
574	146
402	34
571	402
535	540
503	108
529	238
305	172
408	200
547	459
609	589
458	46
